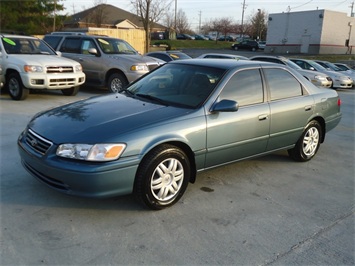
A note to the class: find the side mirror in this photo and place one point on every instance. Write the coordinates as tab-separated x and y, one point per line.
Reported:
58	53
225	106
93	51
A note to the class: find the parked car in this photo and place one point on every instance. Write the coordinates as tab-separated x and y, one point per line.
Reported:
344	67
201	37
226	38
29	63
107	62
332	67
339	80
185	117
262	45
184	36
317	78
223	56
168	56
246	45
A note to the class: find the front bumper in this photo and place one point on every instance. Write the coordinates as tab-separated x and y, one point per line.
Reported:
79	178
52	81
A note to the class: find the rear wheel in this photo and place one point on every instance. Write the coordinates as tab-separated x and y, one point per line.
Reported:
16	89
308	144
162	177
71	92
116	82
235	48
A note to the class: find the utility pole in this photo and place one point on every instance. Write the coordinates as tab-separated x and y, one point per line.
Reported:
243	9
352	9
55	11
199	22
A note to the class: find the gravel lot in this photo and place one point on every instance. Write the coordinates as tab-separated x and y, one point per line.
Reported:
266	211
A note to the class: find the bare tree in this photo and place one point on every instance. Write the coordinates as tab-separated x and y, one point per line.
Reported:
258	27
182	23
221	26
98	12
150	11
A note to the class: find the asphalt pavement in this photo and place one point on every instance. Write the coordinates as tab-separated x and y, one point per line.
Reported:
265	211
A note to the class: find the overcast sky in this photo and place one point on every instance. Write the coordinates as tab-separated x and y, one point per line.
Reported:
205	10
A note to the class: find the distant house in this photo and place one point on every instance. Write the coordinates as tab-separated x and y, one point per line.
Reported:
114	22
107	16
311	32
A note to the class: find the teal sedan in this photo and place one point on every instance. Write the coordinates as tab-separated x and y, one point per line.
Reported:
152	138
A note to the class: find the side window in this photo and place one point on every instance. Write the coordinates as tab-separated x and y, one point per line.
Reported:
71	45
245	87
282	84
86	45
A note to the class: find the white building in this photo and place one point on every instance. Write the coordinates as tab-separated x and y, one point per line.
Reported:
311	32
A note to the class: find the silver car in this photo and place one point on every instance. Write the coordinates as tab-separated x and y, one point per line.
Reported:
106	61
317	78
339	80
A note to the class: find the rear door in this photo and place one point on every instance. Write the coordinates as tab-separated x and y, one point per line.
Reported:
290	108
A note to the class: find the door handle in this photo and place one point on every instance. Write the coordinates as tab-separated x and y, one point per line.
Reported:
263	117
308	108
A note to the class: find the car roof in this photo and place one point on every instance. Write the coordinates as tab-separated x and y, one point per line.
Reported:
224	64
7	35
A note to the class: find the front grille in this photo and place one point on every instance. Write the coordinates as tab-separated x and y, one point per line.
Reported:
61	82
36	142
59	69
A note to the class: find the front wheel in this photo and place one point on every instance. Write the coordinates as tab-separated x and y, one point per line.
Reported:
16	89
235	48
71	92
116	82
308	144
162	177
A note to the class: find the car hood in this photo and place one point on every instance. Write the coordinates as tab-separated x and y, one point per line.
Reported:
42	60
312	73
101	119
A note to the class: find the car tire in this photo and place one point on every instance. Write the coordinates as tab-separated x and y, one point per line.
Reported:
15	87
308	144
71	92
235	48
162	177
253	49
116	82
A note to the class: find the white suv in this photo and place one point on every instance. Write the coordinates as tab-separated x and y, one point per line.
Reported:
29	63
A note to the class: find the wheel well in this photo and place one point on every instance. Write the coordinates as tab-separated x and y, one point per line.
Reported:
321	121
187	150
112	71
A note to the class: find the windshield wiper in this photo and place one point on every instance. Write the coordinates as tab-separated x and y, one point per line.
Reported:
126	91
152	98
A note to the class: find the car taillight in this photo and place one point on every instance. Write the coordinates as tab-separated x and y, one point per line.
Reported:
339	102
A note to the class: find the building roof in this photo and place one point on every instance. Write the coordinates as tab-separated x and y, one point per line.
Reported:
112	17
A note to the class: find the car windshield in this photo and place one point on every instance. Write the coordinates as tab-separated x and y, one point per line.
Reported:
293	65
317	66
178	85
18	45
115	46
333	67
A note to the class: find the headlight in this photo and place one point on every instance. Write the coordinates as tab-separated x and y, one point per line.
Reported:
320	77
97	152
78	68
139	68
28	68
